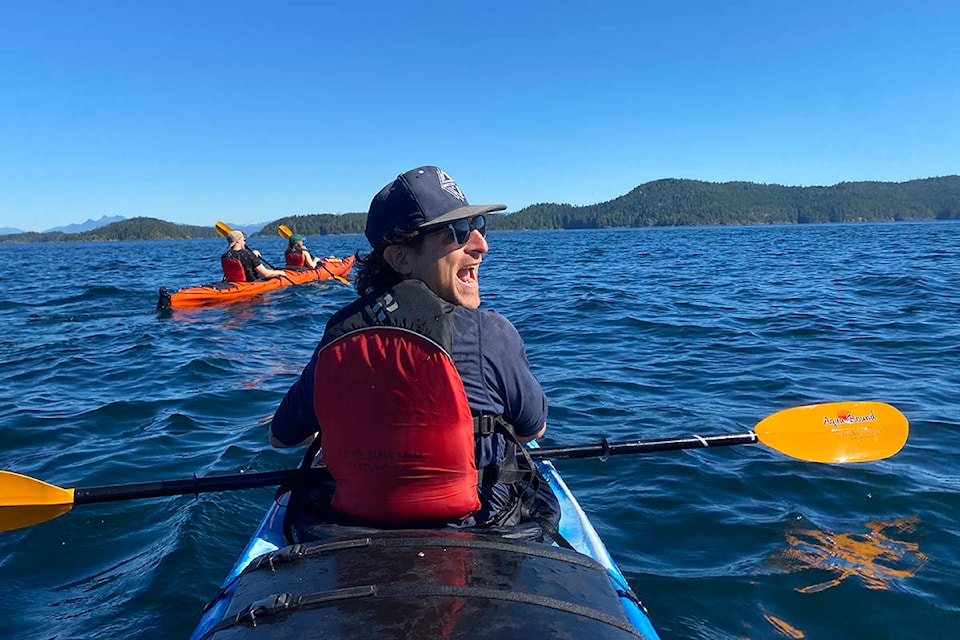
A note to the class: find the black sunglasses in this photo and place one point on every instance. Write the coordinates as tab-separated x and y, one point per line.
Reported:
462	228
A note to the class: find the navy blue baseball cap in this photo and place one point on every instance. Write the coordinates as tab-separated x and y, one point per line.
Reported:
421	197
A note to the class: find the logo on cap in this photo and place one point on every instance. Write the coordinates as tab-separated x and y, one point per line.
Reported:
448	185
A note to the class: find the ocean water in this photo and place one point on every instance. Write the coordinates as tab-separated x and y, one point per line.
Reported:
641	333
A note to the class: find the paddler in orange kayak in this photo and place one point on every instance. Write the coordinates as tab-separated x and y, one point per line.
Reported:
241	264
296	254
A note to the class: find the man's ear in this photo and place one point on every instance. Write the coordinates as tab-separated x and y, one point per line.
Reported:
397	256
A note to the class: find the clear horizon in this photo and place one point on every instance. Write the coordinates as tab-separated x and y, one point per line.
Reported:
247	111
256	223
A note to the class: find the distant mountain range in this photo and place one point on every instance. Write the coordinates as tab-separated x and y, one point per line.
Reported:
103	221
88	225
248	229
71	228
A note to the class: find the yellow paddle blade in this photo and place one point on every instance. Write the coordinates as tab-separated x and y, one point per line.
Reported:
26	501
223	229
836	431
284	231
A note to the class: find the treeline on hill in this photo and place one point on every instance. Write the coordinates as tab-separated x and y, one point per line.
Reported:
672	202
132	229
662	203
319	224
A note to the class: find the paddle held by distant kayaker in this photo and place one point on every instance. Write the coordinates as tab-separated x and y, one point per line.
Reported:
241	264
420	399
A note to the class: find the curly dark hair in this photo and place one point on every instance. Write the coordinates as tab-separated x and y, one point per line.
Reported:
373	272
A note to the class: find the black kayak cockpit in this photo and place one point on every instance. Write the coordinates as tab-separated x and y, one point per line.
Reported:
163	301
424	584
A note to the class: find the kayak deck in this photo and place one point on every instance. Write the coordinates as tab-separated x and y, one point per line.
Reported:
225	291
428	583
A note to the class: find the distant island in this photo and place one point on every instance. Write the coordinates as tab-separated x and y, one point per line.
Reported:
132	229
661	203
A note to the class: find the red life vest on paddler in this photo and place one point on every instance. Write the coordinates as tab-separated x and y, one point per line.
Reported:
402	449
232	269
294	258
397	430
240	265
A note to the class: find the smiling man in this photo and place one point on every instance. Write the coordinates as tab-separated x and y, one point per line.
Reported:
420	399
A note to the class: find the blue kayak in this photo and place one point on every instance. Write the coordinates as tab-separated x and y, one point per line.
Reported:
412	584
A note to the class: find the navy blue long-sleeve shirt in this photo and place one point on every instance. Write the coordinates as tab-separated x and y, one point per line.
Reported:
489	356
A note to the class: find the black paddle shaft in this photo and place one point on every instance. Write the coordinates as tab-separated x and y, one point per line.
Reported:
196	486
603	448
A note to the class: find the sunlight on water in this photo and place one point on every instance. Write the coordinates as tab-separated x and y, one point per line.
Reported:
783	628
877	558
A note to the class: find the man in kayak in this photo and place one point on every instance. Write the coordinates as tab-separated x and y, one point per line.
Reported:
296	254
422	400
241	264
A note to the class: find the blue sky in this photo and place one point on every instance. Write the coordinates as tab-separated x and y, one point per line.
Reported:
249	111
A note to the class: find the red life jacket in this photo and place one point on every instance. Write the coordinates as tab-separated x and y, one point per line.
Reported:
295	258
232	269
398	435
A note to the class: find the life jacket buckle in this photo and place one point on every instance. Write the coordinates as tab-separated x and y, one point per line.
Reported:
484	425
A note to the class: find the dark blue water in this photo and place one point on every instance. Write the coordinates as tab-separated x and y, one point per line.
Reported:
634	334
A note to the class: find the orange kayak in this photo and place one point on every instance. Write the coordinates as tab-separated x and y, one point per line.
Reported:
217	292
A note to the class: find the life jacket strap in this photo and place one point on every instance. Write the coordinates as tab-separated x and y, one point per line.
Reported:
507	471
486	424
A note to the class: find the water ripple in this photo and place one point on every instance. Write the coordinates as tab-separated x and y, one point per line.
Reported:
640	333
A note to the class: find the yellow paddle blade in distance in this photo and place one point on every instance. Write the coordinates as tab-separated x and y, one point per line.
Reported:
284	231
223	229
836	431
26	501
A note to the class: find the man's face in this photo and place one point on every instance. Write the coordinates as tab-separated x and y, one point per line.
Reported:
450	270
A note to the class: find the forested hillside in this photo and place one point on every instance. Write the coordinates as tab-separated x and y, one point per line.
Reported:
692	202
662	203
320	224
132	229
